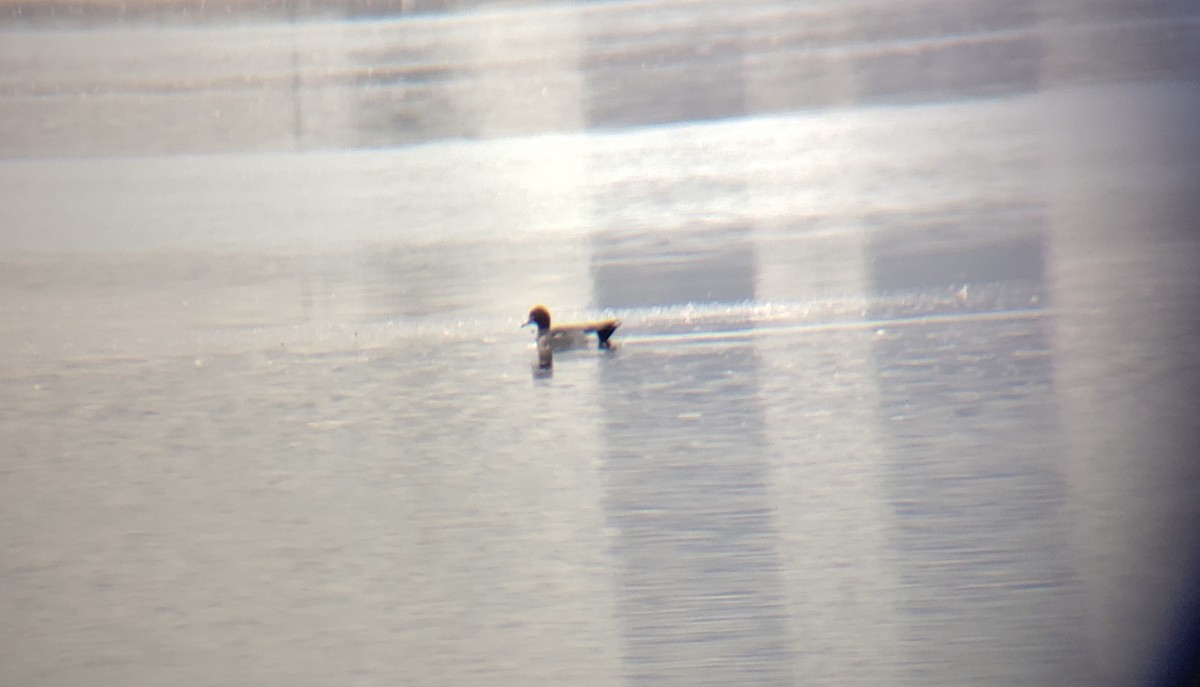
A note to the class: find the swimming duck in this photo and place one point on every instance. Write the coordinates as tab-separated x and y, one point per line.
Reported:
564	336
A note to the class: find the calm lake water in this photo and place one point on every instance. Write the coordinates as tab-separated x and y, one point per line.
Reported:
905	390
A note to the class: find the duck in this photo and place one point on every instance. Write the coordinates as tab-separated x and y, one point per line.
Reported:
566	336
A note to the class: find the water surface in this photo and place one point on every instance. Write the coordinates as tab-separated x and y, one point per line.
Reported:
903	396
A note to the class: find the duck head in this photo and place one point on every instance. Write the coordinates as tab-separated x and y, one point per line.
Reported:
539	316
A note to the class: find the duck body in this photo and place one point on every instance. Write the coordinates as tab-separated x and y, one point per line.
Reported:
563	337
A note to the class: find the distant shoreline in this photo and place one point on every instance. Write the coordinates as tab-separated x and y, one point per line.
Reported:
76	13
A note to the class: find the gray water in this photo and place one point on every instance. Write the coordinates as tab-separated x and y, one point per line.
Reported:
904	392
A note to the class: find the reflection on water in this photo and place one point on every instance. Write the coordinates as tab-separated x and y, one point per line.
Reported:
967	407
655	270
695	543
901	394
967	404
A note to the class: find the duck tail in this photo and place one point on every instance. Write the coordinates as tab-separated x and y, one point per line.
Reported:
606	330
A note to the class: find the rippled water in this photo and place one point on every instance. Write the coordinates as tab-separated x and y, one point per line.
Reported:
903	393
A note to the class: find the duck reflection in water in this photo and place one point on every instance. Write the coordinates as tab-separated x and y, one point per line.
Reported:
563	337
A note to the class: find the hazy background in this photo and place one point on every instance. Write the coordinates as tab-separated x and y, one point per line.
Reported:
907	378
